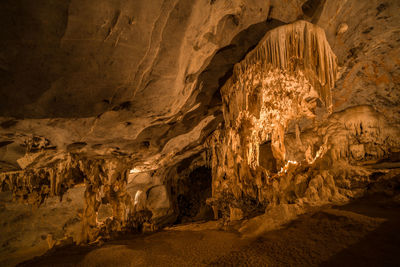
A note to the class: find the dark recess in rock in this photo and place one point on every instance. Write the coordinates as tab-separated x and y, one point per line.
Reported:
310	7
192	200
76	145
267	160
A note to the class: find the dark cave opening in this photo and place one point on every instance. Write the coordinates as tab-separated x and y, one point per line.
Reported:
191	202
311	7
266	157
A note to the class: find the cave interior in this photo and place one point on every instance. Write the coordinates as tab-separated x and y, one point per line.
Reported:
202	132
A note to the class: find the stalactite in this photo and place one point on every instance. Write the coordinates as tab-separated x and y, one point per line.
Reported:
33	186
105	181
269	88
284	46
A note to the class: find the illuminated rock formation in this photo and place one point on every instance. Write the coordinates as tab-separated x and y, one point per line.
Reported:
108	203
281	82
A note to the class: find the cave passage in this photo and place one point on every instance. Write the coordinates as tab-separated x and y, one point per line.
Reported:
266	157
192	201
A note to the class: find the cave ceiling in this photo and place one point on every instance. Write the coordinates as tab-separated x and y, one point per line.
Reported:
136	79
117	77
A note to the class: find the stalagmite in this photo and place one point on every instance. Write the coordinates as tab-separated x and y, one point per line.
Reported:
277	144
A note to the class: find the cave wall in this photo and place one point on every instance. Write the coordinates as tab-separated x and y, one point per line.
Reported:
367	52
104	53
318	153
78	201
91	90
82	201
27	232
72	71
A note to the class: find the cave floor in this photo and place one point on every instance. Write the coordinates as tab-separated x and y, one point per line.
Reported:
362	233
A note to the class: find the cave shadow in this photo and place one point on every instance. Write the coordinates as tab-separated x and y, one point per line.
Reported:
380	247
70	255
322	238
74	255
191	202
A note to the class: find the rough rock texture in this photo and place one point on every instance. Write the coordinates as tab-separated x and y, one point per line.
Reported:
127	66
109	104
90	91
280	81
279	145
367	52
120	77
28	232
331	236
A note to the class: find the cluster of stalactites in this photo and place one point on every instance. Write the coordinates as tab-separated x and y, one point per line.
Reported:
105	181
33	186
300	45
278	82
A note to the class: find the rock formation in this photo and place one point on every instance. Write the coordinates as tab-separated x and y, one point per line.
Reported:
255	158
126	116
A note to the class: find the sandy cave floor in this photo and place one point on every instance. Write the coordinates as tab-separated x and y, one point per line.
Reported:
365	232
